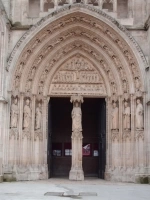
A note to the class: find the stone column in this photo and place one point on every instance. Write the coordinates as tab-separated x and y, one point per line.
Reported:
76	172
2	102
115	6
100	3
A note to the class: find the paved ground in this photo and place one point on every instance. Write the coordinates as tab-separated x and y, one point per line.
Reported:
35	190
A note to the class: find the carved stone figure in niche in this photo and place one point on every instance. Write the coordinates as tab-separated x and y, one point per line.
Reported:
137	84
115	117
114	89
17	79
14	114
38	117
28	87
27	115
127	115
76	117
139	115
33	72
125	88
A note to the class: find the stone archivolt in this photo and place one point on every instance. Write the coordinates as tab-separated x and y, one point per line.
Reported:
94	25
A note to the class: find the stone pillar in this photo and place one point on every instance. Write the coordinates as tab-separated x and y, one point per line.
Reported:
115	6
100	3
2	102
76	172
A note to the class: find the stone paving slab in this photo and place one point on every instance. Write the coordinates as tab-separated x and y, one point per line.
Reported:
35	190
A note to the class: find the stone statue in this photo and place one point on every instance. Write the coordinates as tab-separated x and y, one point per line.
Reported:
126	120
14	114
76	117
115	117
27	115
38	117
137	83
139	115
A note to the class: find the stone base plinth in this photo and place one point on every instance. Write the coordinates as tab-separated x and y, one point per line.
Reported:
76	175
1	179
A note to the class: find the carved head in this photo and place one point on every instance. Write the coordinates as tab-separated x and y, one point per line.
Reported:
15	101
76	104
27	102
138	101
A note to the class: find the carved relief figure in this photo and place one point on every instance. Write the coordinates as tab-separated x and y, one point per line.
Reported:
137	84
14	114
139	115
26	115
126	113
115	117
38	117
76	117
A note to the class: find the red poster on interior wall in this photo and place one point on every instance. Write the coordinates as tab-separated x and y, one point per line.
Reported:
86	150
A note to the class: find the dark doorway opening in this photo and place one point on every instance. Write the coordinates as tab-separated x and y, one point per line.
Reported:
94	137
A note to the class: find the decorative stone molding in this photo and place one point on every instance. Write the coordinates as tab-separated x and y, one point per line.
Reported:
14	133
138	135
126	135
39	135
115	136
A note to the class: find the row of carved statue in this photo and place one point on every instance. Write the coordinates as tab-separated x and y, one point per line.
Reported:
27	115
139	116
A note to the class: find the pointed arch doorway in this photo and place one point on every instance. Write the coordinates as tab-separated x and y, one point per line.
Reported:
59	137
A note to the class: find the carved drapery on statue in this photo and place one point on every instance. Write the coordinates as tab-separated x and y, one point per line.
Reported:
115	117
27	115
78	76
76	172
76	118
14	114
139	115
127	116
38	116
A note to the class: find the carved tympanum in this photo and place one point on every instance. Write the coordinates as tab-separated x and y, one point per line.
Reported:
78	76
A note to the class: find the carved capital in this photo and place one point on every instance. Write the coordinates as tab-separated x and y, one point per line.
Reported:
76	98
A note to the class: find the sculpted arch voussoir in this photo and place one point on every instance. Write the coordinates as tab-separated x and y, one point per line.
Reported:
72	8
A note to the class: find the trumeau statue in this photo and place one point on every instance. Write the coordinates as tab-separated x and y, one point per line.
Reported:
27	115
38	117
115	117
139	116
14	114
126	120
76	117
